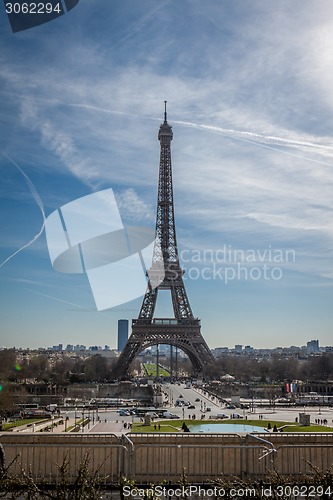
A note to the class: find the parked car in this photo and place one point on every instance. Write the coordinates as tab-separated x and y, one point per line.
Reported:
197	400
168	414
123	413
191	407
236	415
152	414
217	417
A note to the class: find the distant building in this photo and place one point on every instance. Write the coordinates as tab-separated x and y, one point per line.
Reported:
122	333
219	351
238	348
56	348
79	348
312	346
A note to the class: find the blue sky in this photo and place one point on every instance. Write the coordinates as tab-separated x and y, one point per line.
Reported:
249	87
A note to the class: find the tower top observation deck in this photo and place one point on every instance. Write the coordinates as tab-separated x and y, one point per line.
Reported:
165	133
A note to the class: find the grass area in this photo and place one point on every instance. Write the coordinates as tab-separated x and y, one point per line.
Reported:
307	428
78	426
175	425
24	421
287	426
150	369
165	426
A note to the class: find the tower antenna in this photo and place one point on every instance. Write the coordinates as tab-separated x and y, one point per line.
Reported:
165	112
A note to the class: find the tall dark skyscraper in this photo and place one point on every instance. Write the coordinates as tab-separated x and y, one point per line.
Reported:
122	334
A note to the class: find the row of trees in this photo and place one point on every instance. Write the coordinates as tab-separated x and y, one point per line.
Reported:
62	370
65	369
275	369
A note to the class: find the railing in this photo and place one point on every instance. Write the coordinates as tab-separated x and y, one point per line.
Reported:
153	457
166	321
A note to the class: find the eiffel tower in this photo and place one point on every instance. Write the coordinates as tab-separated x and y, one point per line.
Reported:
182	331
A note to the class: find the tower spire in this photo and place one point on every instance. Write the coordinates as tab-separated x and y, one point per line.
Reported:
165	112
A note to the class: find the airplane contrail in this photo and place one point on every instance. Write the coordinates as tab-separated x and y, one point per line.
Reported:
251	136
40	204
54	298
244	135
272	138
254	138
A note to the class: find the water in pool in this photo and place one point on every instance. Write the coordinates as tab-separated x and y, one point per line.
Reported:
226	428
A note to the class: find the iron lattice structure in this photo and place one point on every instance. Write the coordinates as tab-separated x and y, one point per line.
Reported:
182	331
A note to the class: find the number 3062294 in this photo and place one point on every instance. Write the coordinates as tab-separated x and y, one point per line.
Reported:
33	8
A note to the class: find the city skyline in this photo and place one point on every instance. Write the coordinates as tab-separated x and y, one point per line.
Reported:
250	104
311	347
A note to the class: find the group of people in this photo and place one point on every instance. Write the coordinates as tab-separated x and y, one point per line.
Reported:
275	429
321	421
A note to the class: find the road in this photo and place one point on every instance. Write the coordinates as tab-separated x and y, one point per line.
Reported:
110	421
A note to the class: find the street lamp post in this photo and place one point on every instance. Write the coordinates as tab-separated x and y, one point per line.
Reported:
75	416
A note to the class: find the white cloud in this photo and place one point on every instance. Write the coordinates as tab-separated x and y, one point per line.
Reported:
133	208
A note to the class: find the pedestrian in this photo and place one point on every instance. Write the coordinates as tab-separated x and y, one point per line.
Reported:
2	457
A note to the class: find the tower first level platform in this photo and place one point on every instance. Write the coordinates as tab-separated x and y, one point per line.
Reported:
183	333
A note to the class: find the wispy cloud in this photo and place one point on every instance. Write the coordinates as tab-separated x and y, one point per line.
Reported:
133	208
40	204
